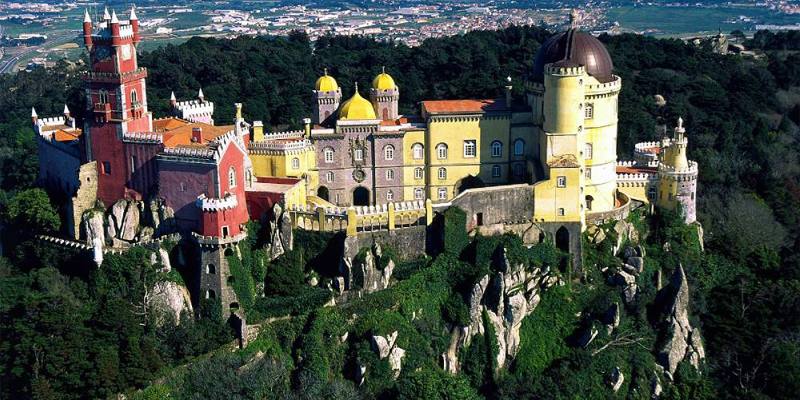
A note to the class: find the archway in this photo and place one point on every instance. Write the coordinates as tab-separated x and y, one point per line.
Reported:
589	200
322	193
562	239
468	182
360	196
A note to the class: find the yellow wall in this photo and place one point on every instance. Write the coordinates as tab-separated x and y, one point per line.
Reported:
600	131
409	182
548	197
279	164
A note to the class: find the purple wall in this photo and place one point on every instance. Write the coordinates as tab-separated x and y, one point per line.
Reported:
180	184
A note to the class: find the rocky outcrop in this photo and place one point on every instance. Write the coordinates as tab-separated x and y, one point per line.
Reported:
364	271
168	300
628	283
611	318
281	238
615	379
93	226
678	339
386	346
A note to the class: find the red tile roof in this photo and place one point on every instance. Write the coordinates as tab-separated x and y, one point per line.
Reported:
463	106
636	170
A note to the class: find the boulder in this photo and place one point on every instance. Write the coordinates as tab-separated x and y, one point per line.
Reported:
163	257
630	269
615	379
637	263
383	345
655	387
362	272
679	340
168	300
587	336
612	318
396	360
94	226
474	304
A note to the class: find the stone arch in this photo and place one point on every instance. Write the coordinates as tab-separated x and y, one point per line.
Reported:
589	200
228	252
323	193
562	239
211	269
361	196
468	182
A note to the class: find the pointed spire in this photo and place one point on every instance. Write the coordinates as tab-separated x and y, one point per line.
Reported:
133	13
86	17
172	97
356	90
106	15
66	110
33	112
114	19
200	94
325	71
680	129
383	69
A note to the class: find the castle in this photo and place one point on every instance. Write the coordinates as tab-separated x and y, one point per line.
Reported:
358	165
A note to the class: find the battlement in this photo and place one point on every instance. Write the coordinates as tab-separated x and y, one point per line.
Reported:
636	164
52	121
190	152
143	137
692	169
284	135
116	78
216	204
615	84
553	69
354	219
280	146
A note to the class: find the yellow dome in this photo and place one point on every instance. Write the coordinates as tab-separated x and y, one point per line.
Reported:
383	81
326	83
357	108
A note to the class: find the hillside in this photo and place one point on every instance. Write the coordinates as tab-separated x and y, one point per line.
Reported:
72	331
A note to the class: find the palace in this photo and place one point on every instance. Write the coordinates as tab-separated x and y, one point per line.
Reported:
358	165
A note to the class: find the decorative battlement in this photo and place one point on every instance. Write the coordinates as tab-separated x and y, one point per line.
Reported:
213	241
196	111
284	135
143	137
216	204
615	84
267	146
190	152
635	164
553	69
52	121
116	78
362	218
692	169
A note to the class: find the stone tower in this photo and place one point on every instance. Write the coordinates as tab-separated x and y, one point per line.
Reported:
384	96
327	96
678	176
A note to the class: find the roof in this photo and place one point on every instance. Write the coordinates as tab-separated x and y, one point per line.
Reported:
383	81
357	108
67	135
573	48
636	170
178	132
326	83
463	106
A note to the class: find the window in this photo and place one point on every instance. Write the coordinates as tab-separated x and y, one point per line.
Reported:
134	99
102	96
419	194
388	152
417	151
519	147
389	174
390	195
183	186
470	148
211	269
133	164
497	149
327	154
210	294
479	218
442	193
589	200
442	173
232	178
107	167
561	181
358	154
561	212
496	171
296	163
588	173
225	232
519	170
651	193
418	173
588	111
329	177
587	151
441	151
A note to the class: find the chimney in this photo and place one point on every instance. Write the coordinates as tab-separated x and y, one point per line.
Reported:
258	131
197	135
87	29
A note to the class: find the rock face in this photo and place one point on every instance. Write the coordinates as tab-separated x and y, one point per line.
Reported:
615	379
679	340
507	297
94	227
387	347
363	272
281	239
168	300
628	283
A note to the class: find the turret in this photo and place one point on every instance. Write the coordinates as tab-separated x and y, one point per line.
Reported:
115	39
384	96
87	29
172	100
327	95
677	186
134	21
200	95
34	116
106	16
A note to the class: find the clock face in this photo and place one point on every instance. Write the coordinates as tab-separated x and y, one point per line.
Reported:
126	52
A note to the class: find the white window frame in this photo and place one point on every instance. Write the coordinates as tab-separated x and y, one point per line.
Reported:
419	173
231	177
358	154
496	171
588	151
519	147
419	194
588	111
417	151
470	148
588	173
295	163
441	151
330	177
389	174
497	148
388	152
561	181
327	154
442	173
442	193
389	195
561	212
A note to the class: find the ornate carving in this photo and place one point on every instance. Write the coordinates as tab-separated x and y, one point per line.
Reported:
358	152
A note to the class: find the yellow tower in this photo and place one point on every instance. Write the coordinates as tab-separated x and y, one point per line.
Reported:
677	176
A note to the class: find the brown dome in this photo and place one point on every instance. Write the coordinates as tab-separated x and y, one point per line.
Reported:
574	47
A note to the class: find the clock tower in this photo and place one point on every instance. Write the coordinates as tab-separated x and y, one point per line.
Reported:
116	100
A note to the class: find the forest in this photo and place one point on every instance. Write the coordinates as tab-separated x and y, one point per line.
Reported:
70	331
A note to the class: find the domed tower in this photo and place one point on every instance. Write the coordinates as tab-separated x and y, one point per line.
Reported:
384	96
357	108
573	95
677	176
327	95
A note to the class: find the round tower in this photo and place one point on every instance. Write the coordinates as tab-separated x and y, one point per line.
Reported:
327	96
384	96
677	185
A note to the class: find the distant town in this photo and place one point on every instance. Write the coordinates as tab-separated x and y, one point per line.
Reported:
36	34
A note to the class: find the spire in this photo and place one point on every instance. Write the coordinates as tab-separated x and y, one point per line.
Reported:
86	17
200	94
106	15
133	13
383	69
325	71
33	113
172	97
356	90
574	19
114	19
66	110
680	127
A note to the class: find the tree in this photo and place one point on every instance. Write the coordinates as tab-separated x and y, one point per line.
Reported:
30	211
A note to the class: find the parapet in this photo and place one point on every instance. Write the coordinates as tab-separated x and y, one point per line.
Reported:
206	204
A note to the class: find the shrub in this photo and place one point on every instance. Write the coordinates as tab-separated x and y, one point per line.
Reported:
305	300
455	231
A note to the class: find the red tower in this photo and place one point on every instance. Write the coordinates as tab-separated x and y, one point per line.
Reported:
117	99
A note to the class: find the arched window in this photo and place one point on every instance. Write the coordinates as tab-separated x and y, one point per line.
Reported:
519	170
211	269
589	200
232	177
587	151
134	98
248	176
497	149
329	177
496	171
296	163
419	194
417	151
418	173
442	193
210	294
358	154
441	151
388	152
442	173
390	195
389	174
102	96
519	147
328	154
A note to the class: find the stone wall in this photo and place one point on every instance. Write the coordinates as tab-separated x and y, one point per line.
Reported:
84	199
510	204
408	243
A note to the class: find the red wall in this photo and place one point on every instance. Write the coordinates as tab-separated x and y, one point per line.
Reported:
233	218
